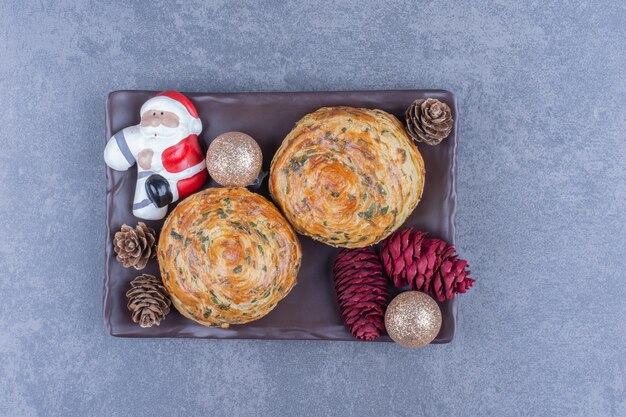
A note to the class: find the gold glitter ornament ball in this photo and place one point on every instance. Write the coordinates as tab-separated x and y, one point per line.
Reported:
413	319
234	159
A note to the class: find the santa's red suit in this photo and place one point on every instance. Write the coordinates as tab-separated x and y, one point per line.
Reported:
164	144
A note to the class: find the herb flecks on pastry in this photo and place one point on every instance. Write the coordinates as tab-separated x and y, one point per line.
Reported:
347	177
227	256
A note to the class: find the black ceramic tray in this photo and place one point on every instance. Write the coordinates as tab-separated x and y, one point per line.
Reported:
310	311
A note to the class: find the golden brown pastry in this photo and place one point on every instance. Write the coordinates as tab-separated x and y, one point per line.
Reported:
227	256
347	177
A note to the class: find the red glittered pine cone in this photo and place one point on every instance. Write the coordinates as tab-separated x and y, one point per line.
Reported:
361	292
427	265
399	253
453	275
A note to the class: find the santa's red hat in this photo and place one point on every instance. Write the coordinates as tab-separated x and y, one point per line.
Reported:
177	103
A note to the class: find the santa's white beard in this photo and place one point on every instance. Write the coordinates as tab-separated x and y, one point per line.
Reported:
165	133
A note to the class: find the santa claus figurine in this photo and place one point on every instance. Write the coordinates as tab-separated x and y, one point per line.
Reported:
170	163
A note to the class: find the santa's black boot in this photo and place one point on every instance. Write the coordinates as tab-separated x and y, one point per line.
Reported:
158	189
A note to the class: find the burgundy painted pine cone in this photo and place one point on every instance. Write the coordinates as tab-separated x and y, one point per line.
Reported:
399	253
427	265
361	292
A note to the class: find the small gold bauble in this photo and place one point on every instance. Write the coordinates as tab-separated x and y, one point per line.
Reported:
413	319
234	159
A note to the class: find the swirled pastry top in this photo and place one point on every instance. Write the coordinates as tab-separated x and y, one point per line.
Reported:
347	177
227	256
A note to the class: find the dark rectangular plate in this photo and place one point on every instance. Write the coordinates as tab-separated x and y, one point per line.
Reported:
310	311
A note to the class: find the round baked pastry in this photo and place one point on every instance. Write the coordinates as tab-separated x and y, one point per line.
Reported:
227	256
347	177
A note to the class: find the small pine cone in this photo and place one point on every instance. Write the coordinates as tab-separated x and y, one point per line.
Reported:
399	253
148	300
429	121
361	292
427	265
134	247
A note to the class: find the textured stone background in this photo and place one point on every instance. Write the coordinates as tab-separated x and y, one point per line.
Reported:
541	215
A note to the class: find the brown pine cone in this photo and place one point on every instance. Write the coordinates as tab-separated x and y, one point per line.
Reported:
134	247
427	265
361	292
429	121
148	300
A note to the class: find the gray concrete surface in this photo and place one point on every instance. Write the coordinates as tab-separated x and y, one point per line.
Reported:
541	215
